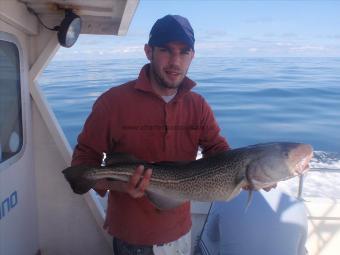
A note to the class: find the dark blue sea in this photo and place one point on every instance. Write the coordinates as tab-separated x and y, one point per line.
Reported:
255	100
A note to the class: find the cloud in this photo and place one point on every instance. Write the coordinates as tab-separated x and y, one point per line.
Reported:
284	44
253	49
212	43
307	48
212	34
289	35
110	52
270	47
332	37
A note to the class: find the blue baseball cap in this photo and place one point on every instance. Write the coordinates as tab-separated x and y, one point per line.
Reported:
171	28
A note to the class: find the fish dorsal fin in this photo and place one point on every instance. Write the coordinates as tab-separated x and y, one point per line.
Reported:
163	202
121	157
171	163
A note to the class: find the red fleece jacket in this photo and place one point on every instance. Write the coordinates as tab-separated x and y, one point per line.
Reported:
131	118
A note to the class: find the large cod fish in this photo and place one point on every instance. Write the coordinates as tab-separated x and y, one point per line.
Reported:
219	177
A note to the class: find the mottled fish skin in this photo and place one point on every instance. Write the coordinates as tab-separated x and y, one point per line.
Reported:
219	177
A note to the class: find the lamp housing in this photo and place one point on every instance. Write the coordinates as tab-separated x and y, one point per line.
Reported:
69	29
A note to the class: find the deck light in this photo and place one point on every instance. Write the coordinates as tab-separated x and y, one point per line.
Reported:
69	29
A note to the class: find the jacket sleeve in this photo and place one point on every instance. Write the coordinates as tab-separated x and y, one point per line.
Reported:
94	138
210	139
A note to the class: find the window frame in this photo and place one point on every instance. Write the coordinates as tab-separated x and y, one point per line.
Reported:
7	37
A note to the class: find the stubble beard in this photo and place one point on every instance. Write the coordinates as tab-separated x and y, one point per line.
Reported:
161	81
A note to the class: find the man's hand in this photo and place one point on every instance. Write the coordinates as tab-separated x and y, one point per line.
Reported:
135	187
138	182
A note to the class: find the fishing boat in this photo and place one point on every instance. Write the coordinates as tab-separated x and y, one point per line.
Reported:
39	214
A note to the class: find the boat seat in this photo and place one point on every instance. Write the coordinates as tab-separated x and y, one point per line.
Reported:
274	223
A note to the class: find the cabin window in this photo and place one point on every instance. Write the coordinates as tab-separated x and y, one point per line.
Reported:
11	138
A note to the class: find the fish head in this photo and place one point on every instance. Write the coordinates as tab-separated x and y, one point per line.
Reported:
275	162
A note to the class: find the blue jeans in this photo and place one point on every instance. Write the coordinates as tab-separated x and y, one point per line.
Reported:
122	248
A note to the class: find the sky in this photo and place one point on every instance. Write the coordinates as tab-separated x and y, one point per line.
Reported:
229	28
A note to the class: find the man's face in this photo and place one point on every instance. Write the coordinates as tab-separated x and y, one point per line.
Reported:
170	63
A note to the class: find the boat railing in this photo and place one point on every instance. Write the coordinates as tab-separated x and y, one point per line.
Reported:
311	170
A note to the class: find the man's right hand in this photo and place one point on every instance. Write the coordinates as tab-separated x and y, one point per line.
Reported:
135	187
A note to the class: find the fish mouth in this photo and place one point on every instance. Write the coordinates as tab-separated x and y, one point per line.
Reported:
303	166
302	155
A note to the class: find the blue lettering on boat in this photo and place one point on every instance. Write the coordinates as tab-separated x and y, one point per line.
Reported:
8	204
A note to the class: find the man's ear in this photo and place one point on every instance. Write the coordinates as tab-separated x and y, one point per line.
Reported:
148	51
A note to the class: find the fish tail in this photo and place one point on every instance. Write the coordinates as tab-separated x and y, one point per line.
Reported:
78	182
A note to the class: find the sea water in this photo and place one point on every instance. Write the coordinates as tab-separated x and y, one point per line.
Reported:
255	100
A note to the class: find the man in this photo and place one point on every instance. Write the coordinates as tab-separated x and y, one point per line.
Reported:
155	118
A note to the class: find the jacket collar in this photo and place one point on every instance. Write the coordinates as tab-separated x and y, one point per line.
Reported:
143	83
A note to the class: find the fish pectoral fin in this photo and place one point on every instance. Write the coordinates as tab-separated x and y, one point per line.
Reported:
121	157
249	199
163	202
237	189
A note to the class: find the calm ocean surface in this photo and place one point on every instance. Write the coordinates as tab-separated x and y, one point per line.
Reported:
255	100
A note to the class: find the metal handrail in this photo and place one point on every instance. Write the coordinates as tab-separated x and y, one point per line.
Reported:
319	169
314	169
